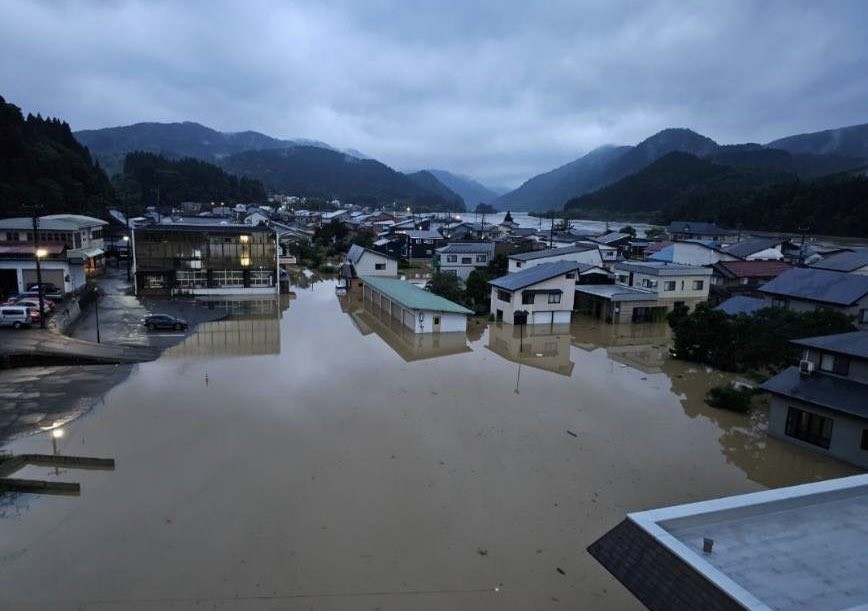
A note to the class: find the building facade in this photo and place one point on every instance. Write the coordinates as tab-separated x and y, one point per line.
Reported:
461	258
545	292
412	306
589	254
805	289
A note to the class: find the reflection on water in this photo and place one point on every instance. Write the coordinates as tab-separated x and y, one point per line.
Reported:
354	463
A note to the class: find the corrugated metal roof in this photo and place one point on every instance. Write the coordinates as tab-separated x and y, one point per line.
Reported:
616	292
411	296
741	304
53	222
838	288
661	268
854	343
550	252
746	248
832	392
467	247
845	261
608	238
534	275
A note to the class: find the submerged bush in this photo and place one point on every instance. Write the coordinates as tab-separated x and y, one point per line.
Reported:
728	396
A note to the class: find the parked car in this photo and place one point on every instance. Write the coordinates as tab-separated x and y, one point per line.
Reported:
46	287
15	316
29	296
55	295
164	321
34	303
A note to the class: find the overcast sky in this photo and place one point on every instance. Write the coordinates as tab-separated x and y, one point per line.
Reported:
499	90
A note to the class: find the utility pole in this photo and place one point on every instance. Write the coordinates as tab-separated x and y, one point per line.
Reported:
552	233
39	288
803	231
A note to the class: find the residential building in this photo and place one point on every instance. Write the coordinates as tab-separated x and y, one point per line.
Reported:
81	235
363	261
545	292
205	259
852	262
806	289
59	265
800	547
421	243
822	403
417	309
585	253
691	230
545	347
461	258
757	249
743	277
691	252
741	304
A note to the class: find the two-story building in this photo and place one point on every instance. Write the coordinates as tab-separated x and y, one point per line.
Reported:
545	292
363	261
692	230
421	243
822	403
584	253
731	278
461	258
805	289
205	259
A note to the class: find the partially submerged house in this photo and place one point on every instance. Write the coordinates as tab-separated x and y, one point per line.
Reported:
461	258
822	403
585	253
417	309
542	294
363	261
731	278
806	289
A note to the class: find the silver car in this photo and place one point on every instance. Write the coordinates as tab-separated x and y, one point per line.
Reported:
15	316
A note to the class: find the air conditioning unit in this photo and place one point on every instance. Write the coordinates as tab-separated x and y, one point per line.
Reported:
806	367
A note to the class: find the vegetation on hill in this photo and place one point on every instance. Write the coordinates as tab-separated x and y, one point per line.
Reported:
470	190
42	163
427	181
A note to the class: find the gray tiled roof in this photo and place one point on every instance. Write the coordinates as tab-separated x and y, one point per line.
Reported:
845	261
818	285
534	275
611	237
355	253
746	248
467	247
854	343
741	304
838	394
550	252
658	268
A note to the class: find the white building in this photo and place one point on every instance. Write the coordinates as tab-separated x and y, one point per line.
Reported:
461	258
692	253
363	261
758	249
581	253
414	307
545	291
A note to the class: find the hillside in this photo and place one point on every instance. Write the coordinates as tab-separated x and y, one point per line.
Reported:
184	180
175	141
317	172
427	181
41	162
846	141
471	191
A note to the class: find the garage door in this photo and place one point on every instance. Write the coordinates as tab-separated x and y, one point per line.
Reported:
49	276
540	318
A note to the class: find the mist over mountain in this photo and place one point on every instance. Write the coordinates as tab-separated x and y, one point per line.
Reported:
471	191
846	141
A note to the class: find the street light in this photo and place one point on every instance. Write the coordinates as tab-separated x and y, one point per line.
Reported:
40	252
129	255
96	306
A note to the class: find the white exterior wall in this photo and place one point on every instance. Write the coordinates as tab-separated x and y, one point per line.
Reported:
449	322
367	265
798	305
591	257
563	310
769	254
686	253
75	272
683	284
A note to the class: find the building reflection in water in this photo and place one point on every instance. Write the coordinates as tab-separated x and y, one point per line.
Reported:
545	347
642	346
368	318
249	327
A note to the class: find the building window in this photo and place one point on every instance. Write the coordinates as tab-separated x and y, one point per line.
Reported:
571	276
527	297
864	444
554	297
481	258
832	363
779	303
669	285
863	317
12	236
518	263
379	266
809	427
427	252
227	278
452	258
155	281
698	285
466	260
649	284
260	277
504	296
190	279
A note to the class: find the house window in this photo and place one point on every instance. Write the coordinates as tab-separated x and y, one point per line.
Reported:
518	263
571	276
527	297
698	285
648	283
155	281
835	364
863	317
379	266
427	252
554	297
466	260
864	444
481	258
259	277
12	236
779	303
669	285
190	279
809	427
452	258
227	278
504	296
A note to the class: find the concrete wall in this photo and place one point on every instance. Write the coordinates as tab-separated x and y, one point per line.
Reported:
367	265
846	430
54	271
687	253
540	304
683	285
591	257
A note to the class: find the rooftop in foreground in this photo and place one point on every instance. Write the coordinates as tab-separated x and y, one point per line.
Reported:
801	547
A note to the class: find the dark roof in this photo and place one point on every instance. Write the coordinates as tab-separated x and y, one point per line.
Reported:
208	228
550	252
741	304
355	253
658	246
819	285
831	392
535	274
695	227
614	236
751	269
845	261
854	343
467	247
424	234
746	248
654	574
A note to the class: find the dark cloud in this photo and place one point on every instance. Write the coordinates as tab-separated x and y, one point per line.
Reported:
499	90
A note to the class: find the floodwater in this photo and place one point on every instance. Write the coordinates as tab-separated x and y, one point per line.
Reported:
321	458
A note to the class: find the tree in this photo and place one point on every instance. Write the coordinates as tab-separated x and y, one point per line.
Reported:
628	230
508	217
477	293
485	209
654	232
447	286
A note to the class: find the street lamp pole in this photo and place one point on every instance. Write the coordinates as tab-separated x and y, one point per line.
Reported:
36	255
128	243
96	311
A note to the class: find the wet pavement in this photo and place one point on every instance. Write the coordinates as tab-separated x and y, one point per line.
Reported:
314	457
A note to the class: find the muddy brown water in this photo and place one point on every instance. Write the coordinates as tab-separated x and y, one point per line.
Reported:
327	460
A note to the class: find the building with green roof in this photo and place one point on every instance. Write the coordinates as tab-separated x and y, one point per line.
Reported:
417	309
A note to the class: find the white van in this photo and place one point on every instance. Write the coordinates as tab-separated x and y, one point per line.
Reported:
14	316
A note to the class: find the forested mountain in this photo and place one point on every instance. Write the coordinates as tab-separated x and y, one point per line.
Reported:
426	180
846	141
176	141
317	172
41	162
148	178
471	191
